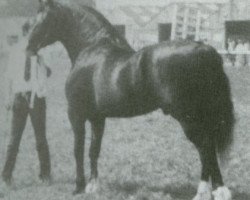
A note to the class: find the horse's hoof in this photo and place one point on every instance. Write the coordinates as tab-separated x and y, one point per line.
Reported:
202	196
47	179
7	180
203	192
222	193
92	186
80	186
5	188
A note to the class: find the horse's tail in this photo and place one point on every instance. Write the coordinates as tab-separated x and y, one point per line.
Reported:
223	106
224	133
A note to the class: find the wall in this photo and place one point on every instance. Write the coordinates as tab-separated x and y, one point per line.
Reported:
141	20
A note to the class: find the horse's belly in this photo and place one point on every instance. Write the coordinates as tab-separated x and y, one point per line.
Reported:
127	108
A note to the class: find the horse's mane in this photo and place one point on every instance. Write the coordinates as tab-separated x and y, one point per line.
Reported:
101	24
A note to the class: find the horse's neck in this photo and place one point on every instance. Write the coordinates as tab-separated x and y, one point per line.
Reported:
73	48
74	45
86	34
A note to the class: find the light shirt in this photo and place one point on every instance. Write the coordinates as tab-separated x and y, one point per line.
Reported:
16	70
231	46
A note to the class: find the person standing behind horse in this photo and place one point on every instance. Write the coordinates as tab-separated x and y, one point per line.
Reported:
26	79
241	54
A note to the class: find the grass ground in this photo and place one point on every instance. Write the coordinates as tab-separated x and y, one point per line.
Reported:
142	158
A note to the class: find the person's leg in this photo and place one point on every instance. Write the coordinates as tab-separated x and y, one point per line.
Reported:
38	120
19	118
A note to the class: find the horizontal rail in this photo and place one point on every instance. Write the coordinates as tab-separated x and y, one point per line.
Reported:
234	52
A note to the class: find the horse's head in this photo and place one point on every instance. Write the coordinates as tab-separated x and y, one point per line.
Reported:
46	28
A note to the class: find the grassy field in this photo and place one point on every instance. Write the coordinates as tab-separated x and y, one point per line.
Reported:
142	158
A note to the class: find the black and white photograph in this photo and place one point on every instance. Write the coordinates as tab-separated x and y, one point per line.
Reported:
125	99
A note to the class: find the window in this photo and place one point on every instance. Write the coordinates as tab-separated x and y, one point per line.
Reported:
164	31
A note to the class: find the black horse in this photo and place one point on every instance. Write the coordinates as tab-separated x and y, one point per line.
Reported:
108	79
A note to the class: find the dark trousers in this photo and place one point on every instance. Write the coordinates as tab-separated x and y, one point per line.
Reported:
20	112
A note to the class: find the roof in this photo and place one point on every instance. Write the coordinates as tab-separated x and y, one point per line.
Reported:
115	3
142	15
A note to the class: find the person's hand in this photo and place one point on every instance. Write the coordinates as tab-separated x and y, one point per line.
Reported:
8	102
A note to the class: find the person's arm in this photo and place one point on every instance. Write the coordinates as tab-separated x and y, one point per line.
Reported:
43	63
9	94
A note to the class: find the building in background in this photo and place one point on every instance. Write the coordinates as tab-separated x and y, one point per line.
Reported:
147	22
237	21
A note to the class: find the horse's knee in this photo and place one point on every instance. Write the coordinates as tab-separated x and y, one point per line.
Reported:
93	155
42	147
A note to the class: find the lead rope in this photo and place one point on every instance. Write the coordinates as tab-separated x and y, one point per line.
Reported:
33	80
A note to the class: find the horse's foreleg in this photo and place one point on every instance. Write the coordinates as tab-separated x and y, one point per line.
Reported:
78	124
97	126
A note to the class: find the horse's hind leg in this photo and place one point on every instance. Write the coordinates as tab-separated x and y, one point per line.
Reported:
78	124
97	126
195	134
220	192
206	152
210	167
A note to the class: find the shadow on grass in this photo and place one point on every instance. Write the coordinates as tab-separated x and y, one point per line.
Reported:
131	188
183	192
125	187
241	196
